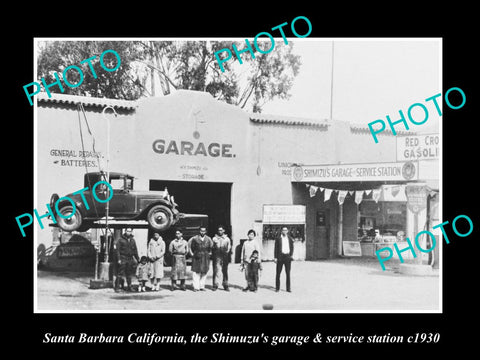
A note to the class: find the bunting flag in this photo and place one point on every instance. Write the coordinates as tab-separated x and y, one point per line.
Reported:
395	190
358	197
328	193
388	191
341	196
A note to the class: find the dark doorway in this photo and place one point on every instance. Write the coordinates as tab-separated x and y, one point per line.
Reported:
212	199
321	245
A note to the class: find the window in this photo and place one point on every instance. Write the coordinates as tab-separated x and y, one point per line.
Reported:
129	183
384	221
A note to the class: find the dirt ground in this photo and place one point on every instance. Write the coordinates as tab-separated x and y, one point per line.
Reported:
337	285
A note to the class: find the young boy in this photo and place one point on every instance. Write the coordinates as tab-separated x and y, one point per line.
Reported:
143	273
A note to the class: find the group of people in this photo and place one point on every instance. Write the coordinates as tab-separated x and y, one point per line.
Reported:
202	250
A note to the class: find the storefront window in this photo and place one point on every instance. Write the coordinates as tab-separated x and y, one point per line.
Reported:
384	221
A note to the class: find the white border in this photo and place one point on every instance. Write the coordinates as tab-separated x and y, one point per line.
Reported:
35	178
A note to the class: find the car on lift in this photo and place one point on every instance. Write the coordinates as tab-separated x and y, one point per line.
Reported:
158	208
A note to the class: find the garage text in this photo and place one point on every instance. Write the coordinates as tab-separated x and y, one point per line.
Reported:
189	148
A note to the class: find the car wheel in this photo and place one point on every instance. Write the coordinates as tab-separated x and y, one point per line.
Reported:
72	223
160	217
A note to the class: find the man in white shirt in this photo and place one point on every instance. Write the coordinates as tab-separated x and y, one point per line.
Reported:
283	252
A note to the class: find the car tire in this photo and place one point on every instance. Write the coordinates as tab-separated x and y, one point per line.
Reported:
160	217
71	224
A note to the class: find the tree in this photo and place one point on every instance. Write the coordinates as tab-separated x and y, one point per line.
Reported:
124	83
149	65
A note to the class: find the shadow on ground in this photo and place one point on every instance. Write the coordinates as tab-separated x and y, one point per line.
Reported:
139	296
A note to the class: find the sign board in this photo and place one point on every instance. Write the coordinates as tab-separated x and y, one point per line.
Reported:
75	251
284	214
418	147
352	248
396	171
416	197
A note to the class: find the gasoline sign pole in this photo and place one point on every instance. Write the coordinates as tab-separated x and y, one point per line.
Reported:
416	202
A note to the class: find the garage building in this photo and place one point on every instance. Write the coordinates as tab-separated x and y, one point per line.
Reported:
220	160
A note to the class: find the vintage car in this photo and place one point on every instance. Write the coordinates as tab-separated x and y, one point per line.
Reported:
158	208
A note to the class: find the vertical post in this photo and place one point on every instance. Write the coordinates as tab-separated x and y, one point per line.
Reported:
340	229
107	208
431	255
96	264
416	203
418	259
331	85
105	265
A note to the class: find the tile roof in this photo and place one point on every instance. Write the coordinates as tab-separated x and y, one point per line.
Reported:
86	100
358	129
286	120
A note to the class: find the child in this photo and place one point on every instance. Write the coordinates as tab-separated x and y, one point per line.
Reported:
253	268
251	250
143	273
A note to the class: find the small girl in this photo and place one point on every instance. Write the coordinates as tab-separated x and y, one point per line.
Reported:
143	273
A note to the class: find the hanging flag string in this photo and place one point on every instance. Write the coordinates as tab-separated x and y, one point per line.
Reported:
387	191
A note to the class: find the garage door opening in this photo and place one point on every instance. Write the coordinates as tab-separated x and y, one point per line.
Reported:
212	199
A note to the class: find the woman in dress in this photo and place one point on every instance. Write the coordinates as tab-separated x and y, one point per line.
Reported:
156	251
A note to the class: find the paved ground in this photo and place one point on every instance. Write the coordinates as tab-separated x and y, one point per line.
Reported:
330	285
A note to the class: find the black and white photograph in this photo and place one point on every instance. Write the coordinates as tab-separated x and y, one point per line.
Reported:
218	180
294	175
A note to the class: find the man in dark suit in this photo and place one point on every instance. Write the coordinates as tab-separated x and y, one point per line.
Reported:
127	257
283	256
